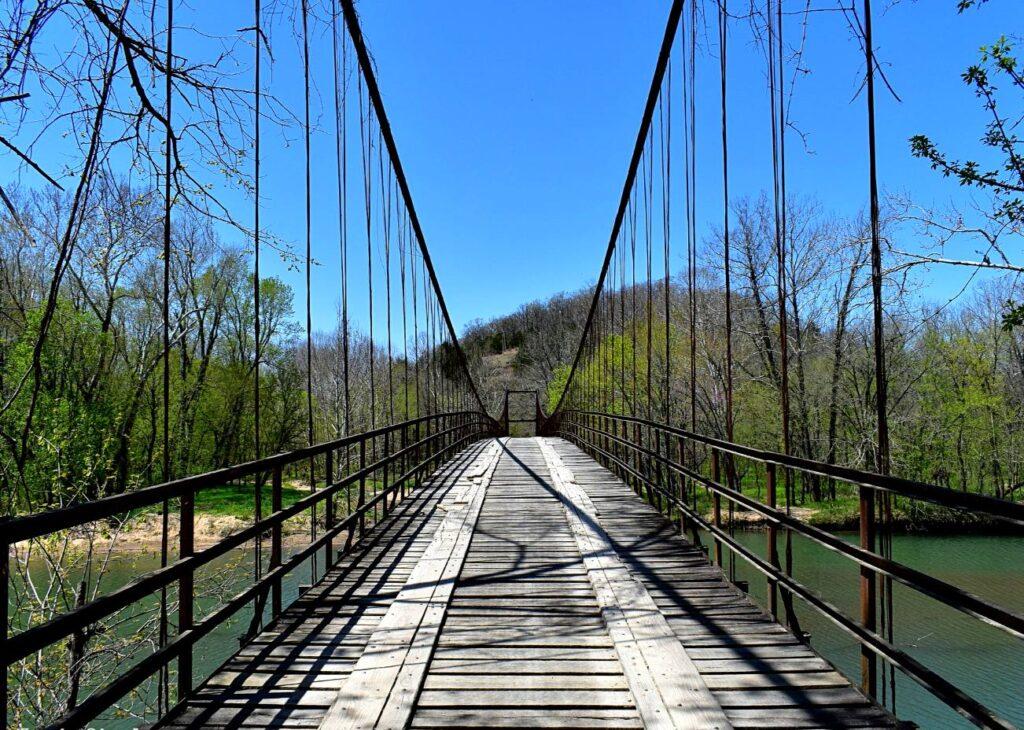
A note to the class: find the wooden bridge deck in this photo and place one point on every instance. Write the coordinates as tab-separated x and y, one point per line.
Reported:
526	586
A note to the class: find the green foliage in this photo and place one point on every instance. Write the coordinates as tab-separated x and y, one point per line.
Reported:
1004	184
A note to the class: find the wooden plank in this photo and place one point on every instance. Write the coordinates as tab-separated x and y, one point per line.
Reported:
280	678
611	719
524	643
743	655
666	684
383	685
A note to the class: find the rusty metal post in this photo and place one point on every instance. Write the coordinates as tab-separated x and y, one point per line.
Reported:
186	592
275	542
387	471
329	517
868	590
405	458
773	542
637	486
658	471
681	450
716	476
5	590
361	502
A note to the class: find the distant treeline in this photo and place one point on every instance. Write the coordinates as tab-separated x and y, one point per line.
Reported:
956	373
81	403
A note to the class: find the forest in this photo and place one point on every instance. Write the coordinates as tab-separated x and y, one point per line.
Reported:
956	368
91	424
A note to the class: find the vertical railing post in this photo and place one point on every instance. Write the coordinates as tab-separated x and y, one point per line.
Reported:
681	455
5	597
868	659
622	431
186	547
773	542
405	458
428	448
658	469
276	600
417	454
642	464
387	471
716	476
637	484
375	478
362	488
346	469
329	511
603	438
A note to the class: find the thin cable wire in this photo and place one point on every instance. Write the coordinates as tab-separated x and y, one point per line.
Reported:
385	194
257	334
666	198
341	153
163	692
310	436
366	142
878	336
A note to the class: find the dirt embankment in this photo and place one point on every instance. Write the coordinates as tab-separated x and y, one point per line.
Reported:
144	533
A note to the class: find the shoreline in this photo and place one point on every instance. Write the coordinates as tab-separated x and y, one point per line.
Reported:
929	523
143	534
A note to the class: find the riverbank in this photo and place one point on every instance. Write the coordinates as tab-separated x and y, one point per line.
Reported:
910	519
220	512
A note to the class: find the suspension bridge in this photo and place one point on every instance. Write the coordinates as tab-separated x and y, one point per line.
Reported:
459	576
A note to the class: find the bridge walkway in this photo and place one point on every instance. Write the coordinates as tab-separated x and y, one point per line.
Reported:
524	585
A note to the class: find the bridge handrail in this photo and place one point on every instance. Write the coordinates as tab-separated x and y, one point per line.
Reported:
438	444
39	524
952	596
1001	509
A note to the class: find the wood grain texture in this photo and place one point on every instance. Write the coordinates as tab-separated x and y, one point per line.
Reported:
555	597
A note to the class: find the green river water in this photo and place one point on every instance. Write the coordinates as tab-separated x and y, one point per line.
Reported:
982	660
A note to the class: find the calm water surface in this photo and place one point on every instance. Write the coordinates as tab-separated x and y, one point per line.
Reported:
985	662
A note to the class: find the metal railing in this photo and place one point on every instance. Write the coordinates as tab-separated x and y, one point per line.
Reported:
505	421
394	457
661	460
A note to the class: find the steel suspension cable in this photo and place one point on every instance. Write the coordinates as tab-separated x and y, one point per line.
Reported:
366	66
403	245
257	333
415	332
632	268
648	194
366	143
882	455
163	689
726	260
386	199
726	248
666	197
672	24
690	182
310	435
341	154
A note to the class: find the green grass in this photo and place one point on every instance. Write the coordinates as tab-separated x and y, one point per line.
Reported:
238	500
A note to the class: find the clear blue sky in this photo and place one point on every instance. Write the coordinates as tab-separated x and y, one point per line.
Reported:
515	121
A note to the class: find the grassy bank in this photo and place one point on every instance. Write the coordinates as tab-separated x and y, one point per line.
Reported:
843	513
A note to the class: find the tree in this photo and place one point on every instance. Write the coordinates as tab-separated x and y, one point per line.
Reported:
998	224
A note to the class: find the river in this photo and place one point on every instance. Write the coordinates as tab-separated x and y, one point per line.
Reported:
982	660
